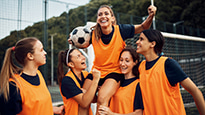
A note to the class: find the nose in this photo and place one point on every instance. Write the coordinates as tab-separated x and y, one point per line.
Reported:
122	63
45	52
137	41
103	15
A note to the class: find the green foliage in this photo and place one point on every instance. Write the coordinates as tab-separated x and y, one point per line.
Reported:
190	11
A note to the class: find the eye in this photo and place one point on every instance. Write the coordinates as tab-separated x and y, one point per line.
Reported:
106	13
100	14
140	38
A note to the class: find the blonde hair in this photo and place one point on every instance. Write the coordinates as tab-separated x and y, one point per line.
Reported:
9	69
97	28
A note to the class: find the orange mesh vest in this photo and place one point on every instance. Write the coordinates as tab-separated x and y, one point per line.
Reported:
159	97
123	100
71	106
36	100
107	56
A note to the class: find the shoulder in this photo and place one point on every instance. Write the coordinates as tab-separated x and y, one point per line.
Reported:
171	63
127	31
69	87
67	80
174	71
126	26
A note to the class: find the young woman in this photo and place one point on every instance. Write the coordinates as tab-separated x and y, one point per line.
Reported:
127	100
76	100
23	90
160	78
108	41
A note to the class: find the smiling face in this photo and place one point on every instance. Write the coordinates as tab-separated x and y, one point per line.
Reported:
126	63
105	17
78	60
143	44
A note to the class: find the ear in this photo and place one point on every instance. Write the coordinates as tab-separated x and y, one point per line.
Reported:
112	19
30	56
71	64
153	44
136	62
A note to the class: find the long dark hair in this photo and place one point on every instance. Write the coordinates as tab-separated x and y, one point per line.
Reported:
135	57
62	60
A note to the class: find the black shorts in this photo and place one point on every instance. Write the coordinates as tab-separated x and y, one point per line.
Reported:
116	76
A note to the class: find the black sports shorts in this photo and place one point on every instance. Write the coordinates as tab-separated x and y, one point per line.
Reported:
116	76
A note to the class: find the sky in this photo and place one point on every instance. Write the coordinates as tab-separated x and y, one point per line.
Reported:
30	12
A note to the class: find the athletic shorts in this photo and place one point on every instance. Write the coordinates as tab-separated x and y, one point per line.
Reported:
116	76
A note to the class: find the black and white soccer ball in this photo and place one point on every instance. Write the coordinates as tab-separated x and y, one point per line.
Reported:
80	37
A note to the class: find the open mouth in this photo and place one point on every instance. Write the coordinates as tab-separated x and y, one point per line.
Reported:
103	21
83	63
123	68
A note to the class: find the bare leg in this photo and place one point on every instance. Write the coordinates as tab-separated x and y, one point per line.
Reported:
85	111
106	91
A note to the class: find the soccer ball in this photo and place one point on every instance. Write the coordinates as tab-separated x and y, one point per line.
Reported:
80	37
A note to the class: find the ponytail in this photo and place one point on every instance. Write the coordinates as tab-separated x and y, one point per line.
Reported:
8	70
63	58
60	72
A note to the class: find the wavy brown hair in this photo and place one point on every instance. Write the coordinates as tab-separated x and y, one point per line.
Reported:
135	57
97	28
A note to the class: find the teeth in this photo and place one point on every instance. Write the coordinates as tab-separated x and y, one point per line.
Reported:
103	21
123	68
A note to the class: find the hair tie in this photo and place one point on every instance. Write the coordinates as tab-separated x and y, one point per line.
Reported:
13	48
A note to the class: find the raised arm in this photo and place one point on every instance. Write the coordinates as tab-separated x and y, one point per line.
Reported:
148	22
84	99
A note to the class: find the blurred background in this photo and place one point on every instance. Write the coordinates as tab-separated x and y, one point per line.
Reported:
52	20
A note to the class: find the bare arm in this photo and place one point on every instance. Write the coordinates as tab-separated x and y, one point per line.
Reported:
196	94
84	99
103	110
148	22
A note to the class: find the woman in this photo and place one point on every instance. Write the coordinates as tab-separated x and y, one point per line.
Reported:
76	100
23	90
127	100
108	41
160	78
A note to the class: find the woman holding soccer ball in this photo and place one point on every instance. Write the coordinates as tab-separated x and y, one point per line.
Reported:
108	40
